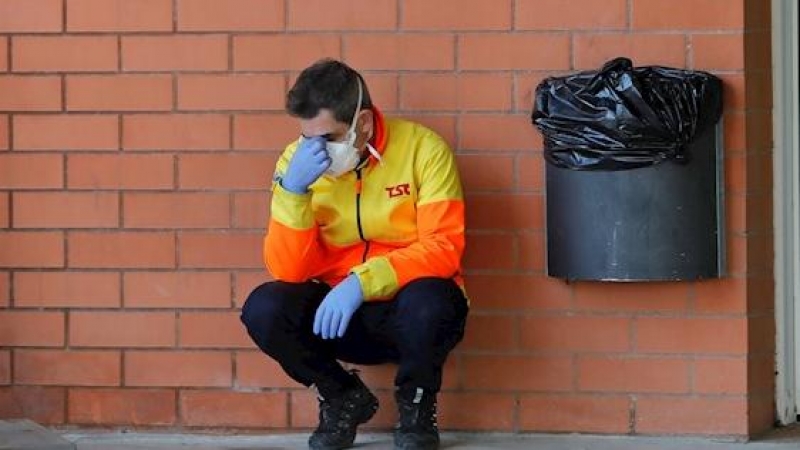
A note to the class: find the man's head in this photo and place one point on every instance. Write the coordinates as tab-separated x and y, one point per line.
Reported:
324	99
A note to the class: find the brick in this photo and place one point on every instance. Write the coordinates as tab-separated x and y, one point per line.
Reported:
383	88
736	213
231	15
236	171
531	172
121	329
491	333
497	132
718	51
736	256
44	405
31	328
721	376
67	289
176	132
228	331
264	131
257	370
428	92
505	211
617	297
66	132
4	209
462	15
231	92
626	374
31	171
177	289
485	172
593	50
400	52
251	210
4	124
490	252
736	174
119	92
119	15
31	249
699	415
176	210
157	368
574	413
282	52
521	51
519	292
3	53
598	334
540	15
30	16
5	289
127	407
520	373
66	210
120	171
234	409
174	53
734	91
342	15
456	411
484	91
532	251
221	250
525	89
121	249
30	93
5	368
687	14
721	296
64	54
691	335
64	367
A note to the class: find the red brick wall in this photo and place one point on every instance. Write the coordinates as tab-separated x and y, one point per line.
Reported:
137	138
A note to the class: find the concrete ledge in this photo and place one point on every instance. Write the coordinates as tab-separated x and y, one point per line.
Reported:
28	435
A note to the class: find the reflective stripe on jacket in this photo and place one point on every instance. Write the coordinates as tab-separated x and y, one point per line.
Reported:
389	222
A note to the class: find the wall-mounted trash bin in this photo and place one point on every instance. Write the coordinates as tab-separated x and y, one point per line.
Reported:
634	181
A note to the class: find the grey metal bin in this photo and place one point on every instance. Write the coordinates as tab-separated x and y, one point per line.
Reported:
640	211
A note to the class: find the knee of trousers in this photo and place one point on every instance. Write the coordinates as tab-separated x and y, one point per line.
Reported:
267	306
431	309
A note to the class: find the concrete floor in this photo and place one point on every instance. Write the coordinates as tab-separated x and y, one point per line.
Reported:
27	435
461	441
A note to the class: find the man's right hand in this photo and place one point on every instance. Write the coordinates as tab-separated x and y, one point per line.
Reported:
309	162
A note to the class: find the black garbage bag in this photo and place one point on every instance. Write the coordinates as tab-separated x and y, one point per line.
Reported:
622	117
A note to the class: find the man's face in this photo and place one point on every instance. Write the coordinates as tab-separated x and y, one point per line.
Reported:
326	125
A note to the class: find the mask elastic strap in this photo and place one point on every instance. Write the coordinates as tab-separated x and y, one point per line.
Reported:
374	153
352	129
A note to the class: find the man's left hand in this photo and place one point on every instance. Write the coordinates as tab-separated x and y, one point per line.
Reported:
334	313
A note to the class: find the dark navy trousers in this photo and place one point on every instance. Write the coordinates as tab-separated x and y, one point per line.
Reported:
417	330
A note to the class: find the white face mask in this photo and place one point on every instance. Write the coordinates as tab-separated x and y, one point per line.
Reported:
344	154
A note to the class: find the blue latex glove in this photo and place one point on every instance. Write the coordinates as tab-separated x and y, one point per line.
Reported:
334	313
308	163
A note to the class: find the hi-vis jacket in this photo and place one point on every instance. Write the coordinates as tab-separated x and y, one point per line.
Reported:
389	222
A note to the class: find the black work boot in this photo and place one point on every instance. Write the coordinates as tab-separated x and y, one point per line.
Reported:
339	416
417	428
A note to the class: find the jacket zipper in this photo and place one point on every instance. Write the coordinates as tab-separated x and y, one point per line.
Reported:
358	215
